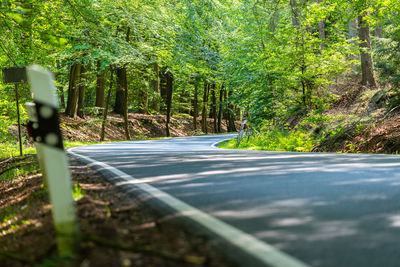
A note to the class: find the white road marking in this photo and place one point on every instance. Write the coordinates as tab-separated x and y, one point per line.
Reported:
215	145
263	252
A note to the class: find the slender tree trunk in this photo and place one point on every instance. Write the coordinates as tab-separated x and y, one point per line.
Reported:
105	111
121	104
156	87
231	116
220	110
367	64
125	106
100	84
214	108
144	98
205	107
226	113
81	99
120	90
352	29
321	28
145	101
59	87
195	106
352	36
170	83
62	97
295	14
73	90
121	95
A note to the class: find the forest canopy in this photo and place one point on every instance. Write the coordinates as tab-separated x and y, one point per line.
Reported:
267	60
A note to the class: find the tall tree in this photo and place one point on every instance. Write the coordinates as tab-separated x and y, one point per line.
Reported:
214	107
205	108
81	92
169	87
195	105
121	95
156	87
73	90
321	28
367	63
100	86
220	109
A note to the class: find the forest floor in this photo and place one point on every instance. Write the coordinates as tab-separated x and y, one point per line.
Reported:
359	121
116	229
141	126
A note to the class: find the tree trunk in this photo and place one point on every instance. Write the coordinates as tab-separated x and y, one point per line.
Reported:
214	108
73	90
125	109
81	87
231	117
100	84
295	14
120	90
121	100
220	110
195	106
352	30
121	96
367	64
170	83
62	97
144	98
59	87
321	28
156	87
205	107
105	111
226	113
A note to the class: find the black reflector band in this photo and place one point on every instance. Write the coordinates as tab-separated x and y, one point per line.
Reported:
47	129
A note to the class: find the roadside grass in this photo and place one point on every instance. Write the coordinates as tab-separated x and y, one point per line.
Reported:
13	165
274	140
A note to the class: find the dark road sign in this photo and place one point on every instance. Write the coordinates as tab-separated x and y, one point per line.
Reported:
15	75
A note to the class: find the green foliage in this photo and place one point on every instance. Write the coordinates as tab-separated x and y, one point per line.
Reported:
77	192
18	166
275	140
330	126
273	67
10	149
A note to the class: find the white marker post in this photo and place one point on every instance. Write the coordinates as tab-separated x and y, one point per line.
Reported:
45	127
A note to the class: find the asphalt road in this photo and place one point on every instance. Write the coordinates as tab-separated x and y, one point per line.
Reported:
324	209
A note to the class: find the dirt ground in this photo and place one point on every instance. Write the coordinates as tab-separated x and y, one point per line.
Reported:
141	126
116	230
371	126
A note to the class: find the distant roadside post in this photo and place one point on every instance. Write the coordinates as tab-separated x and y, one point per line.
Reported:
45	130
16	75
244	131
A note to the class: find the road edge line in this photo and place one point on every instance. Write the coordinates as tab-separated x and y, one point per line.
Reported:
263	253
215	145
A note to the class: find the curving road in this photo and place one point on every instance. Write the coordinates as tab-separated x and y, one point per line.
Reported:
324	209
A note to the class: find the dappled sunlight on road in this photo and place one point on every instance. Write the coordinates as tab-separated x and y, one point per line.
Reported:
366	181
304	203
394	221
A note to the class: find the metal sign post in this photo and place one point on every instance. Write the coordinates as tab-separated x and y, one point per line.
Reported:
243	130
45	128
16	75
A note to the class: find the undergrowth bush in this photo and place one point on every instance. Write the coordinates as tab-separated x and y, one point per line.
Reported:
275	140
